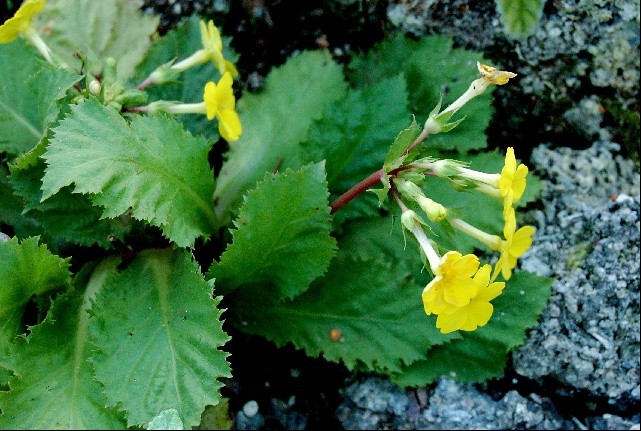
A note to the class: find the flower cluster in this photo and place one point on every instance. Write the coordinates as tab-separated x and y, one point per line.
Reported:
212	50
462	288
218	98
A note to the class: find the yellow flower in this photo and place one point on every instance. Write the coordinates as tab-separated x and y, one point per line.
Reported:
498	77
212	51
213	47
220	103
516	243
452	283
508	200
478	311
512	177
21	21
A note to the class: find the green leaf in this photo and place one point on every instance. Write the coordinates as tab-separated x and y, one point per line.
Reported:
54	386
166	420
336	136
29	89
386	114
431	67
482	354
11	207
216	417
64	215
275	121
178	44
282	234
405	138
108	28
372	304
520	17
152	168
27	270
382	238
158	333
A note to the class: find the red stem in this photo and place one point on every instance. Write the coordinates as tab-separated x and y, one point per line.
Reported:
144	84
368	182
359	188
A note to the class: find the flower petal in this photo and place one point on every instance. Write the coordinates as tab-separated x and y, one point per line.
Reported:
478	314
229	124
211	99
451	322
21	21
521	241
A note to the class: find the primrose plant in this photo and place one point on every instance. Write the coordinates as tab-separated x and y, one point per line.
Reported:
146	213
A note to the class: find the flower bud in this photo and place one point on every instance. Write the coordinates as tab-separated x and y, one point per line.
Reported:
435	211
95	88
131	98
409	219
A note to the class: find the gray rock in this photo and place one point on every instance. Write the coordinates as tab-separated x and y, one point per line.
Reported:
588	337
243	422
379	396
450	405
575	40
613	422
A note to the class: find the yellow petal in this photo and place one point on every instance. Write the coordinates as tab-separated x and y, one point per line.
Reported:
450	322
214	36
211	99
459	292
478	314
494	76
229	67
204	36
466	266
508	201
521	241
226	97
21	21
482	277
217	58
229	124
519	181
432	296
210	36
510	225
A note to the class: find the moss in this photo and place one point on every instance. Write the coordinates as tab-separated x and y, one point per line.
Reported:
625	124
576	257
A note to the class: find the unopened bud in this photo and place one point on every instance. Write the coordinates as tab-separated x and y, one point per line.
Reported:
95	88
409	220
131	98
435	211
446	168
